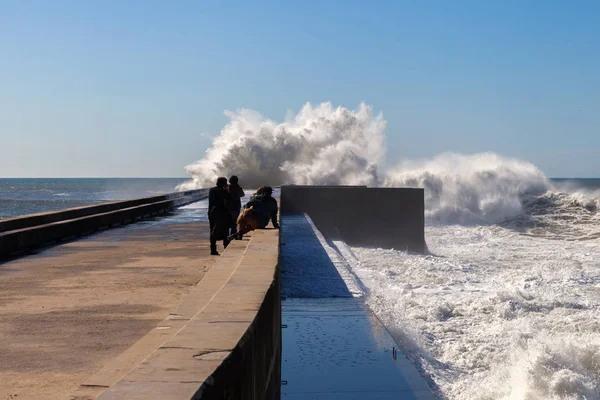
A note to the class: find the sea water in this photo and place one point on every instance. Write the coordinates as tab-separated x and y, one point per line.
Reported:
506	310
28	196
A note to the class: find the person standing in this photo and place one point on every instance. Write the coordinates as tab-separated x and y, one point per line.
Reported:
235	205
219	217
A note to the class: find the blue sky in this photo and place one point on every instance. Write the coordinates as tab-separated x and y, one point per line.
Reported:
115	88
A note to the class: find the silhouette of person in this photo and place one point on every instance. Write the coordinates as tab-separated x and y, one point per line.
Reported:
235	204
219	217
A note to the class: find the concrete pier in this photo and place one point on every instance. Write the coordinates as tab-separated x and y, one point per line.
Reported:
141	311
222	342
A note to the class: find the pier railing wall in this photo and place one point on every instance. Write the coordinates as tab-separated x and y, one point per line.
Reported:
30	231
361	216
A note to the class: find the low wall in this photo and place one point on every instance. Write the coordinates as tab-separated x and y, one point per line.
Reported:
253	369
223	341
30	220
361	216
28	232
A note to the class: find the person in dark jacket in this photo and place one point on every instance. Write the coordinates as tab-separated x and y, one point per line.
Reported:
265	206
235	205
218	214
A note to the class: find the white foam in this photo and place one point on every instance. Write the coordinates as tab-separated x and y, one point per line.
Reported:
471	188
319	145
338	146
491	313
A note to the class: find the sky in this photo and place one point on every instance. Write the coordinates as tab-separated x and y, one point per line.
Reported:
138	88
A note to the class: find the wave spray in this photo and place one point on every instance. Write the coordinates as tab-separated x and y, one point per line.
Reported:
326	145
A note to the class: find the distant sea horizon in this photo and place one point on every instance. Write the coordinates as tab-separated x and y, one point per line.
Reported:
22	196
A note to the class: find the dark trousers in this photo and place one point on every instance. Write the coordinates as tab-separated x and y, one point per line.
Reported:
234	216
219	226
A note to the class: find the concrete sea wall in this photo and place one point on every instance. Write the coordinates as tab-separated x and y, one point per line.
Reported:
30	231
360	216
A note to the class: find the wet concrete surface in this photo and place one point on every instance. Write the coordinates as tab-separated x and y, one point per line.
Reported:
337	349
334	347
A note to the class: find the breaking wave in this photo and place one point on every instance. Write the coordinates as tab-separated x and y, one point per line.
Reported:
471	188
320	145
327	145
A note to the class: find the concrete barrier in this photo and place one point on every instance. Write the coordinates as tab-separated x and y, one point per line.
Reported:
28	232
253	369
223	342
30	220
361	216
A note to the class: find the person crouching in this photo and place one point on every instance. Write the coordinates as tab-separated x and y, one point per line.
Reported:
259	211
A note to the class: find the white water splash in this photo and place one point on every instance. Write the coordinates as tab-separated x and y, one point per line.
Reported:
471	188
320	145
338	146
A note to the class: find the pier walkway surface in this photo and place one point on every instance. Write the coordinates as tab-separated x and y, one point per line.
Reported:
70	309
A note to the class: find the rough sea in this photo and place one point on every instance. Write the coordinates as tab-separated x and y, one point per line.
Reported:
507	310
28	196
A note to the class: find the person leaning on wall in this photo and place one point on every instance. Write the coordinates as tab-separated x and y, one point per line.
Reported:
265	206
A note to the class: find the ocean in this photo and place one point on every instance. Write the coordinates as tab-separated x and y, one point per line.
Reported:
28	196
498	311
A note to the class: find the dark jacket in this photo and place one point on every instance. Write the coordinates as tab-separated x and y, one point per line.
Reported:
236	192
218	198
218	214
266	207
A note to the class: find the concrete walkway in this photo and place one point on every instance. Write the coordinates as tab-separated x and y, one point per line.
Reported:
69	311
230	321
